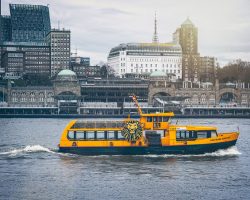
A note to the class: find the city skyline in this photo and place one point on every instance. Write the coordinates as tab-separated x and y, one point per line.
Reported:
96	26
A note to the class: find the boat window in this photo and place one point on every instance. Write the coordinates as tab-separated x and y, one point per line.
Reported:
71	135
178	135
182	134
165	119
155	119
100	135
111	134
80	135
149	119
185	135
119	135
90	135
213	134
201	134
159	119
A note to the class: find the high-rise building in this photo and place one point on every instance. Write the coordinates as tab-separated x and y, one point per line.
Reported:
59	41
23	38
187	37
29	23
36	57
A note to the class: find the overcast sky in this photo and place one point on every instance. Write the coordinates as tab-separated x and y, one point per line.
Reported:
98	25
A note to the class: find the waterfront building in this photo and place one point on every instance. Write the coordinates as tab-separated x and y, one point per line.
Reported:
36	56
187	37
142	58
114	90
59	41
113	96
29	23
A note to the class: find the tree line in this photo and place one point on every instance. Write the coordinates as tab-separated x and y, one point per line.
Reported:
237	71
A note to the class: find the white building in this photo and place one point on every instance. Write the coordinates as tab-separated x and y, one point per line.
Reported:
146	58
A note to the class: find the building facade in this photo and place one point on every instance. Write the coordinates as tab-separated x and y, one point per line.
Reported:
142	58
208	69
29	23
13	62
59	41
36	57
6	28
80	60
83	71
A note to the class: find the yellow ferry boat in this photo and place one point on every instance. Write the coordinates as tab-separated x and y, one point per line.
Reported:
153	133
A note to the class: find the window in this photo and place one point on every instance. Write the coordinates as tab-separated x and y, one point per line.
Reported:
201	134
165	119
119	135
213	134
71	135
90	135
111	135
80	135
100	135
149	119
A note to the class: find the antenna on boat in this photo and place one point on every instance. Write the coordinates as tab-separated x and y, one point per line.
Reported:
137	104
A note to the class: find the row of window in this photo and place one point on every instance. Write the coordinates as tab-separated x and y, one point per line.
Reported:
151	70
157	119
189	135
32	99
95	135
157	60
151	65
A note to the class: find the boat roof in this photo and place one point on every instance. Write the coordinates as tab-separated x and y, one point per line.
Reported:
80	124
167	114
195	128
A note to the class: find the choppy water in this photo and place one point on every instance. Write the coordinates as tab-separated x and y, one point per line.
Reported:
31	167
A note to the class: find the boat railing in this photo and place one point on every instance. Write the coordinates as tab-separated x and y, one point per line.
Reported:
97	124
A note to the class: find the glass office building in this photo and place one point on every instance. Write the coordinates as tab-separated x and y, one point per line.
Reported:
29	23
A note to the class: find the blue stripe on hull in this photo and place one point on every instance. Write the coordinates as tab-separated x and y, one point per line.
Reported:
188	149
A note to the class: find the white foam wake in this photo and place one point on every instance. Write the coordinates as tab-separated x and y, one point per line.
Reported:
231	151
28	149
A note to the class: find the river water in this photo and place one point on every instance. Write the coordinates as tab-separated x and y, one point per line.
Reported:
31	167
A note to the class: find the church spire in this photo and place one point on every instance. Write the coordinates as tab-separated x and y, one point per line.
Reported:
155	36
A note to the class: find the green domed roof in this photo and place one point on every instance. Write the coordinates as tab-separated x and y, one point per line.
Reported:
157	74
66	72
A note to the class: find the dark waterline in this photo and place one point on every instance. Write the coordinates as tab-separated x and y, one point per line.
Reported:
31	168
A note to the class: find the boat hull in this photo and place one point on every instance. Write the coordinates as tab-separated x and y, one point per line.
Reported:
157	150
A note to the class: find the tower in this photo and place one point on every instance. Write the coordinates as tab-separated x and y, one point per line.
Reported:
187	37
155	36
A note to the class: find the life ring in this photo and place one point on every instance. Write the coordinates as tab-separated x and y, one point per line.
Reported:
132	131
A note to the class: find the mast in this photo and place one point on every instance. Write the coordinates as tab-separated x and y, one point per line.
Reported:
155	36
137	104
